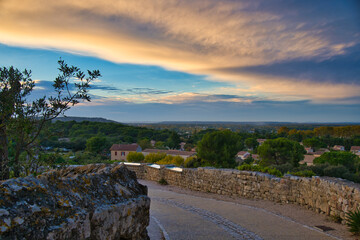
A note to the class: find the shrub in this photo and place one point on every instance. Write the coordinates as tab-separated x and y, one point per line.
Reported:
304	173
258	168
176	160
135	157
336	171
192	162
154	157
284	168
162	181
353	221
347	159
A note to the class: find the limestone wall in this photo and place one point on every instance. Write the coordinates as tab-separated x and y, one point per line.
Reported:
324	195
88	202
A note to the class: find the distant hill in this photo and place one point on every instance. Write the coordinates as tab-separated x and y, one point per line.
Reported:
81	119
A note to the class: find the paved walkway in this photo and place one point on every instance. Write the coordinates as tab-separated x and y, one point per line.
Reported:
183	216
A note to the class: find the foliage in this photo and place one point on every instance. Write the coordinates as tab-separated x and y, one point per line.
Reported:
192	162
251	143
314	143
144	143
21	121
281	151
154	157
347	159
304	173
219	148
336	171
353	221
258	168
175	160
283	131
135	157
79	132
162	181
97	144
173	141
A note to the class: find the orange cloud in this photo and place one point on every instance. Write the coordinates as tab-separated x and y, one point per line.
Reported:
190	36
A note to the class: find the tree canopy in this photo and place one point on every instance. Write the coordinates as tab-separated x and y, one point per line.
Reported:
281	151
335	158
218	148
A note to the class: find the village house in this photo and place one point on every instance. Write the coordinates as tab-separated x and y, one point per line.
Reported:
309	150
260	141
355	150
242	155
339	148
182	146
120	151
183	154
309	159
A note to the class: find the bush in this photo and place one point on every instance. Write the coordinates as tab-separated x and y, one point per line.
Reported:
336	171
192	162
284	168
135	157
304	173
162	181
347	159
258	168
353	221
176	160
154	157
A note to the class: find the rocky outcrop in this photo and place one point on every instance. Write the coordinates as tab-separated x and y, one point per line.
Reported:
87	202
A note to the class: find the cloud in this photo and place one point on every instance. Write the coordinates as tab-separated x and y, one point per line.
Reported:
147	91
258	45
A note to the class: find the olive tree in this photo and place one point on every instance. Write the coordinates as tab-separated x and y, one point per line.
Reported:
22	120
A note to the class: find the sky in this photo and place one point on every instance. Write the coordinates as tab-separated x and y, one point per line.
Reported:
204	60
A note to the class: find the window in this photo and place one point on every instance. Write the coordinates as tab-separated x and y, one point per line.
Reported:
122	153
115	153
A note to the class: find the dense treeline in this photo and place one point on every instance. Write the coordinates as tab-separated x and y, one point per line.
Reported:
74	135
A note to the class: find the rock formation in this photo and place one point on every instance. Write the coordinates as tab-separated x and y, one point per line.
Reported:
87	202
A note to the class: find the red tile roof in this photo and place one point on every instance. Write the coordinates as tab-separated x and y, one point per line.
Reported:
355	148
242	153
170	152
124	147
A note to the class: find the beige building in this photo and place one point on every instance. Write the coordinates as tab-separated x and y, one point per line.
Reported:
120	151
355	150
183	154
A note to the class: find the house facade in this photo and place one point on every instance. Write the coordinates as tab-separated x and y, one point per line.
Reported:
355	150
121	151
339	148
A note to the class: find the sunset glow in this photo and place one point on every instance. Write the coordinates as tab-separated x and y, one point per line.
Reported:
195	60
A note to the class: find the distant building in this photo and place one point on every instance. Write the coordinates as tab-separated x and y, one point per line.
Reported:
355	150
309	150
120	151
182	146
183	154
152	142
339	148
241	156
260	141
255	157
308	159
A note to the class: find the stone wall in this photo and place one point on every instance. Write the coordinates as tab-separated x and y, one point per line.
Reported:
88	202
330	196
